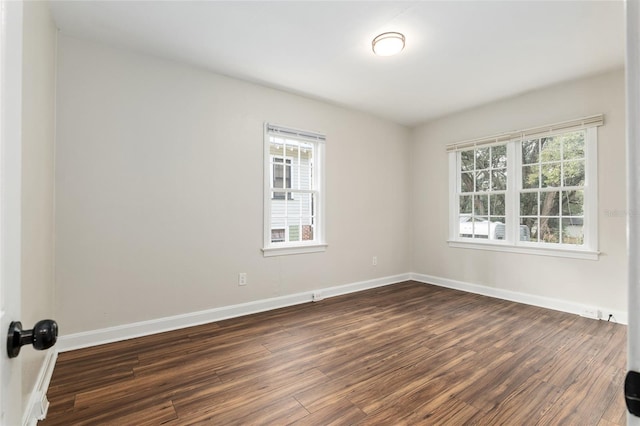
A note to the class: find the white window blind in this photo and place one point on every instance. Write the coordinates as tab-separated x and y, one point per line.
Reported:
295	133
534	132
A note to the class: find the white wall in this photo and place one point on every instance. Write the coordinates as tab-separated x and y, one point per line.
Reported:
599	283
159	190
38	132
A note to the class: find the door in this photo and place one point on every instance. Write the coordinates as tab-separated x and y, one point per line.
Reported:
10	202
633	186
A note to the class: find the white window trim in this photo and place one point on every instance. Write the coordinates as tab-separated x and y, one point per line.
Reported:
512	244
290	249
319	243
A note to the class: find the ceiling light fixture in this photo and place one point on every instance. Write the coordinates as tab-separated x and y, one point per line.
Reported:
388	44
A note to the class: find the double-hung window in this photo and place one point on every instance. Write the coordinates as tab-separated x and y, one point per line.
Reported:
293	191
531	191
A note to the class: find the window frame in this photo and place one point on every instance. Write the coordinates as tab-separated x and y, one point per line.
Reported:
512	243
318	244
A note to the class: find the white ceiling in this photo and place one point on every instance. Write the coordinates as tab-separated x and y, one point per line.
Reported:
458	54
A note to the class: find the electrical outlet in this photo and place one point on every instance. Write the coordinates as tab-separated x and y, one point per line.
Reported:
374	261
242	278
593	313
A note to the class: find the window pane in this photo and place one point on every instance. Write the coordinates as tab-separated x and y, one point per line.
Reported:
306	165
307	232
573	231
499	179
481	227
300	216
549	204
573	203
278	211
551	175
278	173
499	156
573	173
294	233
530	151
300	205
497	228
466	182
303	180
305	200
276	147
482	181
482	158
530	176
529	229
497	204
529	203
480	204
277	235
306	150
466	226
573	145
550	149
549	230
293	150
467	160
465	204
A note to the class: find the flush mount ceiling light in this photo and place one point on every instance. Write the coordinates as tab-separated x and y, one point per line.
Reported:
388	44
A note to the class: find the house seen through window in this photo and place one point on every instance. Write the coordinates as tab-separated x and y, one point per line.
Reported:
293	189
281	176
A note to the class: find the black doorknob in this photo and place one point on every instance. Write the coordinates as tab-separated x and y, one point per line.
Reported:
43	335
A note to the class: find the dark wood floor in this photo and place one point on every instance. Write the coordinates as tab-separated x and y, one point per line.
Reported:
403	354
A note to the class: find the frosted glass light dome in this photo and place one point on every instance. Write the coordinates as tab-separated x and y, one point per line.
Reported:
388	44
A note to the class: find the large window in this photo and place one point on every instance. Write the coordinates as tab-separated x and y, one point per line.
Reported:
529	191
294	196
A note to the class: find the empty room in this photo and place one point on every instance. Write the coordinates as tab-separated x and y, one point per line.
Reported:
313	213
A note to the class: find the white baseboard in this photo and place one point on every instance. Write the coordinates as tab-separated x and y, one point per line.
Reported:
620	317
160	325
145	328
38	402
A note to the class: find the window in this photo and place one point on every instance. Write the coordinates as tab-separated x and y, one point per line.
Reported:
552	189
294	196
483	185
281	176
531	191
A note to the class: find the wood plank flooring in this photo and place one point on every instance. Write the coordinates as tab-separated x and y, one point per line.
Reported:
404	354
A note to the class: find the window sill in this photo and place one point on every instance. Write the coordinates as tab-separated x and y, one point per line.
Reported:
289	250
538	251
